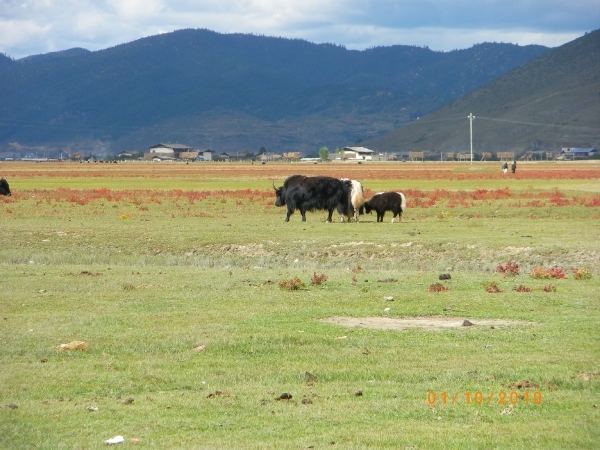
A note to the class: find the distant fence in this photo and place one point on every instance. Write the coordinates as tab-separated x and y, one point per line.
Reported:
449	156
463	157
291	155
486	156
505	156
412	156
527	157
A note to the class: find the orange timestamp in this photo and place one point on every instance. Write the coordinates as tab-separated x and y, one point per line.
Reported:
478	398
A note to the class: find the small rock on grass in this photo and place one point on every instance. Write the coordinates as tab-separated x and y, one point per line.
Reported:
115	440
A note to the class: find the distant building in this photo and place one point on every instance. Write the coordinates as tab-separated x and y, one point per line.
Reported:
358	153
171	152
574	152
222	157
583	151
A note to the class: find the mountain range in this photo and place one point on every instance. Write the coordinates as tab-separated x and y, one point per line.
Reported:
546	104
230	92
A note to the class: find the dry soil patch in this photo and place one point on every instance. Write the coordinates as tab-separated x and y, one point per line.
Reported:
427	323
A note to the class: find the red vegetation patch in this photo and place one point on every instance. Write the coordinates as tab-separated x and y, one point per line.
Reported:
554	272
581	273
318	279
293	284
438	287
510	268
493	288
523	288
278	172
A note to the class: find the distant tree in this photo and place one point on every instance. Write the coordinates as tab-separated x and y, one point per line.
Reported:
324	153
262	150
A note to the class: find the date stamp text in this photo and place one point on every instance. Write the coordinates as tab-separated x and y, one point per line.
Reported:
479	398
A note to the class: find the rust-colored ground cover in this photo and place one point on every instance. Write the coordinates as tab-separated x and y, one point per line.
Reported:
279	171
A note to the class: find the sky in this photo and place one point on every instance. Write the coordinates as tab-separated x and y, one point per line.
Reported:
31	27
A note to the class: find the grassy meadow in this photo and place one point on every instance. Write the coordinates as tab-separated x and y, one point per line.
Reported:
178	279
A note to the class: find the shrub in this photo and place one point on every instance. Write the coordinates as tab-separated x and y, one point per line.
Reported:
549	288
291	285
523	288
318	279
358	269
554	272
493	288
510	268
581	273
438	287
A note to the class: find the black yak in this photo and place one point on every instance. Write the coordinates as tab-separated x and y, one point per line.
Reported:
313	193
4	189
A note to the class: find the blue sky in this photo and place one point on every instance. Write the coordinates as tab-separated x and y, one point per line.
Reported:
29	27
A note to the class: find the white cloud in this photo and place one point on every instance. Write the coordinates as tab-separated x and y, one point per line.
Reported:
38	26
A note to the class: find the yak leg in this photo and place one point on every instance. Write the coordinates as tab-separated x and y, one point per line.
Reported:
290	211
303	212
330	214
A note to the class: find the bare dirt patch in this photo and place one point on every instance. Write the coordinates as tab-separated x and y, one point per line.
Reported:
427	323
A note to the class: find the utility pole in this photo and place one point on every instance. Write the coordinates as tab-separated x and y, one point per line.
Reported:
471	117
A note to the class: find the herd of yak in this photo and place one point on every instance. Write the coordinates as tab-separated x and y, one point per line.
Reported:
304	193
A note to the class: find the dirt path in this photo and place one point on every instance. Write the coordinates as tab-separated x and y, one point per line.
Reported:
427	323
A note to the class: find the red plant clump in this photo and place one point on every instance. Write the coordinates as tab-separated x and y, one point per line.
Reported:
438	287
510	268
553	272
291	285
318	279
581	273
523	288
493	288
549	288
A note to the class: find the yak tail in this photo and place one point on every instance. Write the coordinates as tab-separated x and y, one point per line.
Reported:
402	201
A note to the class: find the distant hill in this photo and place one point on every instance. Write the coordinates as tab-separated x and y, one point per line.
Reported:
233	91
550	102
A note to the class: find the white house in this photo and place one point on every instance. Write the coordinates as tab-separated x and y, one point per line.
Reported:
361	153
169	151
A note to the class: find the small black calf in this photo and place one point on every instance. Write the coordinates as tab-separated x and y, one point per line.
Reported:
386	201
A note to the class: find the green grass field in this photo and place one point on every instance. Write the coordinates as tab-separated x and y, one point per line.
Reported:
146	265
